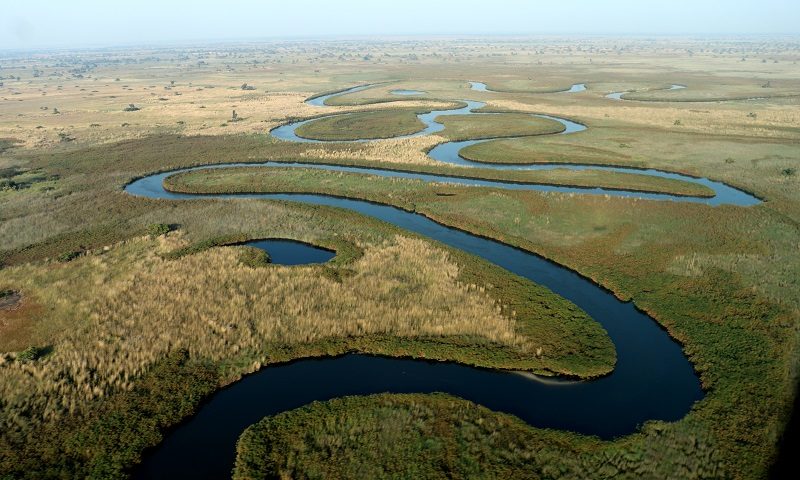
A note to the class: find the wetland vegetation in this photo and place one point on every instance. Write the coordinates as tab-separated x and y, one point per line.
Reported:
105	346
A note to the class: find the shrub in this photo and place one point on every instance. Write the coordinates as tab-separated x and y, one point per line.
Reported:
254	257
30	354
7	144
68	256
158	229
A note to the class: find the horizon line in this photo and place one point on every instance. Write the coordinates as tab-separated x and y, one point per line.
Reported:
328	37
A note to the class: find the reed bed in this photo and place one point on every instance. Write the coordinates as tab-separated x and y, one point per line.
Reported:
123	320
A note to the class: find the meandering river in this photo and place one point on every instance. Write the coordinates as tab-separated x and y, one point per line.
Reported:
652	379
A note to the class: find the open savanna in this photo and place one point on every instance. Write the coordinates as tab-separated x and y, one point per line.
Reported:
152	340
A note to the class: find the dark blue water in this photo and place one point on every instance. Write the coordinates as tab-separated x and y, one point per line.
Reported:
652	379
292	252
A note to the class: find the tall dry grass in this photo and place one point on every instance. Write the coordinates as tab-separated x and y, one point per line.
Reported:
127	308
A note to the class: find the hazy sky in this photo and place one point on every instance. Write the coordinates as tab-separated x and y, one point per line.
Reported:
68	23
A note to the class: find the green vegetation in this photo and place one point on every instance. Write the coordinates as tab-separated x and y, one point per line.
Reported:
254	257
69	256
30	354
126	346
470	127
106	437
257	179
203	245
158	229
518	85
665	272
438	436
14	178
7	144
354	126
754	164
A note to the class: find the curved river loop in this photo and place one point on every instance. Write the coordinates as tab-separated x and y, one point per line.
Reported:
652	379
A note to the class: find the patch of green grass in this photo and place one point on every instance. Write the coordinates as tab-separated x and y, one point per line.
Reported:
439	436
30	354
197	247
362	125
69	256
7	144
158	229
250	180
13	178
470	127
254	257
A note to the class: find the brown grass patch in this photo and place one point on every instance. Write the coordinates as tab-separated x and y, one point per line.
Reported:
123	322
17	314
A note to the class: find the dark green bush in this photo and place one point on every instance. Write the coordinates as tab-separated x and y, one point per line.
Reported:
254	257
30	354
68	256
158	229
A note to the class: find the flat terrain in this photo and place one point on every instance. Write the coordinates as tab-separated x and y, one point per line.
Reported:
105	344
459	127
364	125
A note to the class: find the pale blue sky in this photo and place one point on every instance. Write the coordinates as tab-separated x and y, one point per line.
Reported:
60	23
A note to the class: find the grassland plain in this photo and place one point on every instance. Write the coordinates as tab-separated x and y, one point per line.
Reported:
722	280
